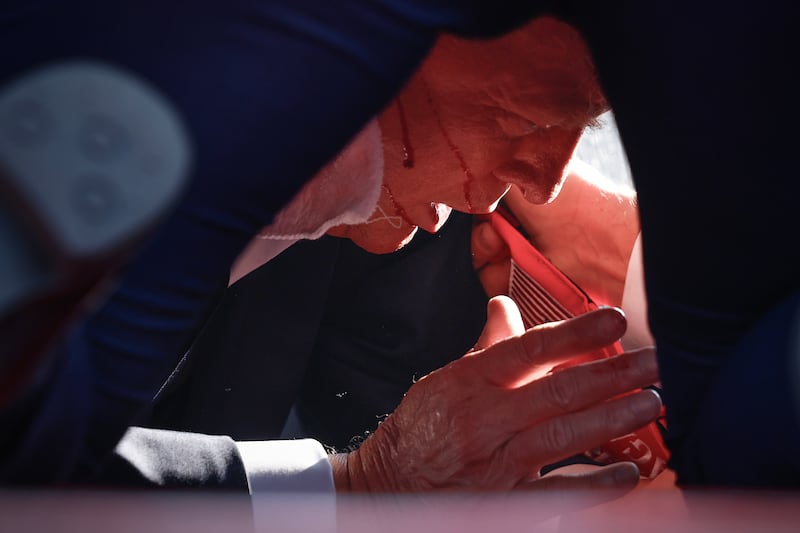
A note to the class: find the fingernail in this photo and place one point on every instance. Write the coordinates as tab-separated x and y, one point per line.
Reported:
613	322
617	309
626	474
647	403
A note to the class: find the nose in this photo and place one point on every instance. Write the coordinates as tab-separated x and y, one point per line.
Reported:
539	161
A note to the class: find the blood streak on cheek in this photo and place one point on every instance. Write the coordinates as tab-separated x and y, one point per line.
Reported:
408	162
470	177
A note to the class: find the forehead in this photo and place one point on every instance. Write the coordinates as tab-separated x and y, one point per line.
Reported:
543	67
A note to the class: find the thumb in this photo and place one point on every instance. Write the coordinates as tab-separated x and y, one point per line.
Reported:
502	321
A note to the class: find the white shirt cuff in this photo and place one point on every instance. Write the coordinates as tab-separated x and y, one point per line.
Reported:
286	466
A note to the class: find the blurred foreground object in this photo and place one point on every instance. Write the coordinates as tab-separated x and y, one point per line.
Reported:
652	510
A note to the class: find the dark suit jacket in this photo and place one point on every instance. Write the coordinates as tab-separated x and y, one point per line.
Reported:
339	333
147	458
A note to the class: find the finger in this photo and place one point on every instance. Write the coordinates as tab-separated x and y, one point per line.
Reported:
502	321
579	387
487	245
567	435
494	277
567	493
623	476
514	360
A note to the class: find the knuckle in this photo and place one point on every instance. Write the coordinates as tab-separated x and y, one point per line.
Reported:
519	351
561	391
617	374
532	346
629	371
642	362
558	435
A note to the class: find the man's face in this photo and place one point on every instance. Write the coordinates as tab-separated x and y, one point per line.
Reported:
478	117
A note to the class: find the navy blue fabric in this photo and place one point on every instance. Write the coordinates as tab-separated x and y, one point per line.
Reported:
703	98
748	430
270	90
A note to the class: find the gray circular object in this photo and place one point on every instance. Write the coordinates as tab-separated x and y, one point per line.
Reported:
95	199
117	159
101	138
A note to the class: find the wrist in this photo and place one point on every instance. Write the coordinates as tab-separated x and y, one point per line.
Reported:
341	475
367	469
349	474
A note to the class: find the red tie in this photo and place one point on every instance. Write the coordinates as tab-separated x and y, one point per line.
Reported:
544	294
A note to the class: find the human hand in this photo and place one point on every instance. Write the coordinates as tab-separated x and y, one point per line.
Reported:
492	419
588	232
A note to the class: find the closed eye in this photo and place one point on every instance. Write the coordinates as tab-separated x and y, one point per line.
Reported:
510	123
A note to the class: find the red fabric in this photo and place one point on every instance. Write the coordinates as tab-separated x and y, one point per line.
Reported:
544	294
